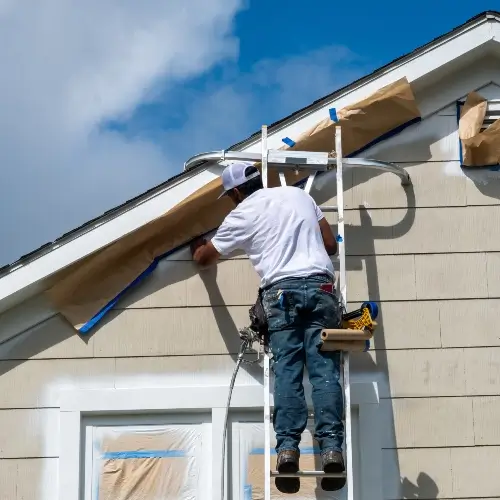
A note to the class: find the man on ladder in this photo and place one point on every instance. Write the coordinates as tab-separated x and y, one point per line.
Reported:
288	241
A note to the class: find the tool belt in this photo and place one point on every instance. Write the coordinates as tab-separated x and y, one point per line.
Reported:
258	320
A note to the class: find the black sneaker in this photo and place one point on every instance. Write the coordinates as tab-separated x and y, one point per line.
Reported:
332	462
288	461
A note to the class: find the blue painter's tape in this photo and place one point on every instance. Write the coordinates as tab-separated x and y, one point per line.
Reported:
93	321
303	451
367	345
288	141
333	115
248	492
339	238
87	326
116	455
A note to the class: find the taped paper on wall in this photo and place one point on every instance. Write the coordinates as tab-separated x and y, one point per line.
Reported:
252	467
86	290
147	463
479	148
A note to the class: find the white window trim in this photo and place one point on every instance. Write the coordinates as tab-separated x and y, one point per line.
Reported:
76	404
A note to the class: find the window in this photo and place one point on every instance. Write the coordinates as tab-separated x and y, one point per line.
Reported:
132	457
247	460
131	444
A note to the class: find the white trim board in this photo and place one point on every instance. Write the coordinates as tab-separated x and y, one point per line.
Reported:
79	404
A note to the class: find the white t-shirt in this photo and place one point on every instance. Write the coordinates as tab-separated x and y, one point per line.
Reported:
278	229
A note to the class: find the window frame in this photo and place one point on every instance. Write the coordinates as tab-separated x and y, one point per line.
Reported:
77	406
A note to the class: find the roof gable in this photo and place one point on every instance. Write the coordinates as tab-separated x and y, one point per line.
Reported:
478	36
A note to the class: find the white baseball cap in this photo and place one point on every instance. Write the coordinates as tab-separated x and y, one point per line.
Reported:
234	176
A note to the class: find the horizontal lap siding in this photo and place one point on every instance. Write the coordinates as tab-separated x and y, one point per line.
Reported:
430	254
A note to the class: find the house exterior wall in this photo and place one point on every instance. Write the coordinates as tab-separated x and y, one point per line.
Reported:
430	255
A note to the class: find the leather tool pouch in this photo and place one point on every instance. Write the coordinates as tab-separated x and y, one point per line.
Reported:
259	321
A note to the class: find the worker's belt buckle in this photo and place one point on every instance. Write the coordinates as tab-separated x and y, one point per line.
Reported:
327	287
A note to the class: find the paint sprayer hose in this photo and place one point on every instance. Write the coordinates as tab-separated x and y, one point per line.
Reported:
245	344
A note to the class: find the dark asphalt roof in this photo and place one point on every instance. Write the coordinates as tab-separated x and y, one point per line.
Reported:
114	212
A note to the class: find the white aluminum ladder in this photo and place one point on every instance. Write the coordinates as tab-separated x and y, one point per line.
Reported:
312	161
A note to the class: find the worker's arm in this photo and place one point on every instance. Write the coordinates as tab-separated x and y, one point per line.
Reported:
227	239
328	238
204	253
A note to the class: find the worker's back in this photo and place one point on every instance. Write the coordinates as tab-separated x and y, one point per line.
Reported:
278	229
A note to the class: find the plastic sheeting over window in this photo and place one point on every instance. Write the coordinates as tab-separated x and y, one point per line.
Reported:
251	474
147	463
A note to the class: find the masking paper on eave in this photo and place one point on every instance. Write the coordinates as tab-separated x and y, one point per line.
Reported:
148	463
479	149
363	122
89	285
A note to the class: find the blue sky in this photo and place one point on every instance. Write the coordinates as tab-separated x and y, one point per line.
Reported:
104	100
339	42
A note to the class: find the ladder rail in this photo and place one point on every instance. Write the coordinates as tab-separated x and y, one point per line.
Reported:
267	389
343	297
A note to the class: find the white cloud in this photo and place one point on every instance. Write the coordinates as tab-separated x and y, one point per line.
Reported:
68	66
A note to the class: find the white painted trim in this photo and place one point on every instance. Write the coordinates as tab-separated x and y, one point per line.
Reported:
69	455
79	404
186	398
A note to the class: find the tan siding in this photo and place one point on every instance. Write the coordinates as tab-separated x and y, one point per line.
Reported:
35	479
181	370
36	383
8	479
385	190
427	422
446	230
54	338
418	473
486	415
475	471
451	276
407	325
32	479
469	323
493	269
433	139
424	372
39	436
481	192
156	332
483	371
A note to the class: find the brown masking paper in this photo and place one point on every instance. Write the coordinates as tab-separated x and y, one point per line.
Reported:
148	462
479	149
88	285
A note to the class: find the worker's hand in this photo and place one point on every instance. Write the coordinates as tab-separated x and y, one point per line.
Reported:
197	243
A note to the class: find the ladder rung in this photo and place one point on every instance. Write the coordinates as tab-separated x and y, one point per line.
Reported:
305	159
308	473
329	208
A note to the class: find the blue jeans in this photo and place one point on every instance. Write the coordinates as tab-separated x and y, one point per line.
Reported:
297	309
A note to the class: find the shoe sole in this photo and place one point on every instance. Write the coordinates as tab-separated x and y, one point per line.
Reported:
288	485
333	483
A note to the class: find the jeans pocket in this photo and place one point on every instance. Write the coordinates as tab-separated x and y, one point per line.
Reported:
279	308
327	307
